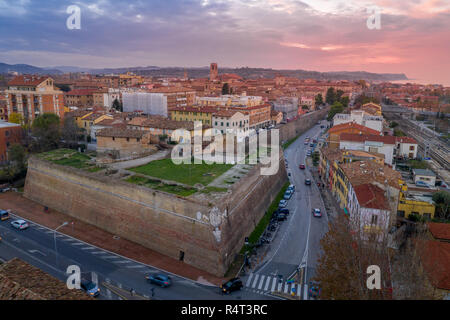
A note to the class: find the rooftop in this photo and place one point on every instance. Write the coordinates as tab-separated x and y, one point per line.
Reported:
22	281
121	133
354	137
371	196
27	80
362	172
350	125
424	172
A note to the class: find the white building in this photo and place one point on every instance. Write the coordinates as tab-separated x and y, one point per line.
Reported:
369	209
360	117
288	106
370	143
231	121
148	103
230	100
406	147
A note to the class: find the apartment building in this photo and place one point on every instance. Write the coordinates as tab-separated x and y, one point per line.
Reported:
10	133
80	98
229	100
32	96
334	134
194	113
372	143
231	121
177	96
360	117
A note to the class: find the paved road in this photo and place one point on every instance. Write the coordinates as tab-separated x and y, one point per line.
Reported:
36	246
297	240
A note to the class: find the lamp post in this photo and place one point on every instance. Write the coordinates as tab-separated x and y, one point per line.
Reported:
54	238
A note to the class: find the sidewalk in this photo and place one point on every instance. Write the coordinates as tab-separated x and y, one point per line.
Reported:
34	212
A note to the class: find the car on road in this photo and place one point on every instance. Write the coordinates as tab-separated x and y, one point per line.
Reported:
160	279
317	213
291	188
91	288
4	215
302	166
282	204
308	182
231	285
20	224
287	195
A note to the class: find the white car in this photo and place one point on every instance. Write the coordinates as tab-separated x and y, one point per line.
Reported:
282	204
20	224
317	213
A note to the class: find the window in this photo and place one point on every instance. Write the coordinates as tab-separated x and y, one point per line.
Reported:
374	219
7	133
411	148
114	139
138	139
181	255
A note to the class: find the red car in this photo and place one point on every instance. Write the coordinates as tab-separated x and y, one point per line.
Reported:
302	166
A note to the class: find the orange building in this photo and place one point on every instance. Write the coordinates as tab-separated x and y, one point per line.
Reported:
334	134
32	96
10	133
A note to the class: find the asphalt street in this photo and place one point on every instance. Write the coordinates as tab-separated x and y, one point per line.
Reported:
297	242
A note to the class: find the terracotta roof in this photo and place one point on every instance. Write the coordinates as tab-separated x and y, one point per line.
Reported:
22	281
361	172
436	261
121	133
371	196
406	140
365	137
77	113
27	80
348	125
440	231
171	90
207	109
228	113
81	92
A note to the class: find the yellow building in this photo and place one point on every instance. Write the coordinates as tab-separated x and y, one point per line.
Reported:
410	203
203	114
340	185
87	121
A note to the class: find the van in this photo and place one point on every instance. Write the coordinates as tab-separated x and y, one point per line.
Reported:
4	215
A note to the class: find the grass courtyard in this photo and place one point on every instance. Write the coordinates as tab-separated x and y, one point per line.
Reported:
190	174
70	158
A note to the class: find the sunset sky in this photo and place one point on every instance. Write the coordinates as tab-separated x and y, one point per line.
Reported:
322	35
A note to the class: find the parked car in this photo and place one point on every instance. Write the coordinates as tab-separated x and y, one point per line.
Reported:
291	188
308	182
311	144
282	204
91	288
302	166
284	211
231	285
422	184
4	215
317	213
281	216
287	195
160	279
308	153
20	224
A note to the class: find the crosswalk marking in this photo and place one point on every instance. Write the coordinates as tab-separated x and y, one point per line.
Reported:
249	279
78	244
274	282
88	248
286	288
123	261
267	283
110	257
98	252
299	290
261	282
256	280
136	266
305	296
280	285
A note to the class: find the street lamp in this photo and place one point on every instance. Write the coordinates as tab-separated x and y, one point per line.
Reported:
54	238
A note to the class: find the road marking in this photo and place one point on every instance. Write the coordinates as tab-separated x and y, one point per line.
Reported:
37	251
299	290
256	280
123	261
267	283
98	252
286	288
78	244
134	267
88	248
305	292
119	285
274	282
49	232
261	282
108	294
110	257
249	279
280	284
69	239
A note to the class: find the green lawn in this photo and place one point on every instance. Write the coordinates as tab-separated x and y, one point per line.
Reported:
158	185
70	158
189	174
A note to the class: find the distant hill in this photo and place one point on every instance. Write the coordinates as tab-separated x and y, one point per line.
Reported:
203	72
26	68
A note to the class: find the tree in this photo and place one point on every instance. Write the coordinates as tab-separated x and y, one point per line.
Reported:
345	101
15	117
442	201
393	124
63	87
305	107
71	132
226	88
337	107
339	94
46	130
117	105
331	96
319	99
